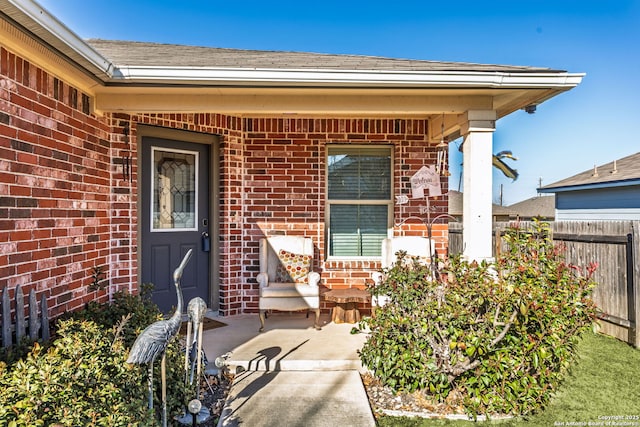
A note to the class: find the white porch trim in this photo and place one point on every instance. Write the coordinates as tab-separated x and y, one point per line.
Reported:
477	128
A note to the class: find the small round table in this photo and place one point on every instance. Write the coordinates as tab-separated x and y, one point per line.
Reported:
346	308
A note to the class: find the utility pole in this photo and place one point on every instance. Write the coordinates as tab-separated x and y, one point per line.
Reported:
539	184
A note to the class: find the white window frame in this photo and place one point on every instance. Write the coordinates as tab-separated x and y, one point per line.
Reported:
329	202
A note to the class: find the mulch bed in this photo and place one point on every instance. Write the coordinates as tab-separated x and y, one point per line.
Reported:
384	401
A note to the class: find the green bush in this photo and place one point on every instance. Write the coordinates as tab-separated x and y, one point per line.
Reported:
492	338
140	308
17	351
82	377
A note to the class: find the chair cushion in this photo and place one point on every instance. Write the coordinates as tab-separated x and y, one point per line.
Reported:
288	290
293	267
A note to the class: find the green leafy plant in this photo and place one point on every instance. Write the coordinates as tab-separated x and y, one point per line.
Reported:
493	338
82	378
17	351
142	309
98	281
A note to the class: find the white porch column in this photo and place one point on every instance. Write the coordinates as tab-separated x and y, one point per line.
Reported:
477	219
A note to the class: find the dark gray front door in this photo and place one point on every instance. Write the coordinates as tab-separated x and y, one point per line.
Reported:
174	218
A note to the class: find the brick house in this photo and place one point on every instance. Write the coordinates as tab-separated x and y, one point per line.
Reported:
100	140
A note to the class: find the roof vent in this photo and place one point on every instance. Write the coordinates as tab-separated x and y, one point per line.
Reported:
595	171
615	167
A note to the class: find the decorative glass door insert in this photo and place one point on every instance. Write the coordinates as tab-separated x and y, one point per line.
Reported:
174	190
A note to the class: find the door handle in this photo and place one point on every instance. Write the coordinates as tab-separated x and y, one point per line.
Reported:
206	242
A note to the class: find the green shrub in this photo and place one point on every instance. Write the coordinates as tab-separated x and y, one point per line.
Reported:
493	338
17	351
82	377
140	308
141	311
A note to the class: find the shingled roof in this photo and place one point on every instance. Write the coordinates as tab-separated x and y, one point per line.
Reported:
536	207
130	53
624	171
456	205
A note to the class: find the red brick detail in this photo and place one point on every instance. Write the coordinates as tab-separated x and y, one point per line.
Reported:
55	182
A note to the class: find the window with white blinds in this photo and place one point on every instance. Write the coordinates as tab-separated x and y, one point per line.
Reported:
359	199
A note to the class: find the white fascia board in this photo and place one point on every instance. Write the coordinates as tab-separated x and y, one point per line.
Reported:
239	76
594	186
59	35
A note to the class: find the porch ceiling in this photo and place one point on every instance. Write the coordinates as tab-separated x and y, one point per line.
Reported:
260	101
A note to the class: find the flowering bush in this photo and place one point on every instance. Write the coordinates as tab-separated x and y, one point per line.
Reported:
493	338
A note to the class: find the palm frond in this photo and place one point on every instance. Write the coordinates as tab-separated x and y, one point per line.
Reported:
504	168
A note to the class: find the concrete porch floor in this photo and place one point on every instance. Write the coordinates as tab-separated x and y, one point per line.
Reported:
291	374
289	342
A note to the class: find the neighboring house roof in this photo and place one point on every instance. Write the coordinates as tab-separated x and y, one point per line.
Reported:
535	207
621	172
455	206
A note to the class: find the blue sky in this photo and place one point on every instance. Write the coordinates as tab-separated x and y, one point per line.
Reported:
591	124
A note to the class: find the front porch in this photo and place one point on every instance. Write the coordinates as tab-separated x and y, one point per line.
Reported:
289	342
77	116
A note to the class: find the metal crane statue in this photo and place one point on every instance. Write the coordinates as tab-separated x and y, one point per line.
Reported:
154	339
196	309
194	356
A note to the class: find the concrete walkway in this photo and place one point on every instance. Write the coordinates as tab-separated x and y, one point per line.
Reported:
291	374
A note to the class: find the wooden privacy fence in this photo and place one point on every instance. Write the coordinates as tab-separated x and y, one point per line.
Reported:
37	324
614	245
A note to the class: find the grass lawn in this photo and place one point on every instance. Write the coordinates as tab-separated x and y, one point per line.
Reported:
605	381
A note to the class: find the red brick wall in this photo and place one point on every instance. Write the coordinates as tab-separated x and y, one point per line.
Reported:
272	182
284	167
123	210
231	298
65	205
54	187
